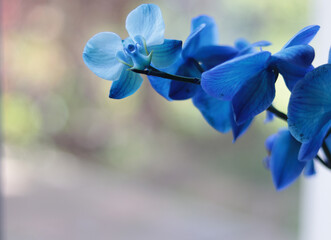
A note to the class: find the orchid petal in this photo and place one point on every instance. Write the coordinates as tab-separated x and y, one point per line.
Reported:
182	90
284	164
124	58
309	169
309	107
193	42
255	96
303	37
250	48
238	129
328	141
210	33
242	43
309	150
210	56
293	63
161	86
225	80
185	90
215	111
262	43
269	142
203	33
165	54
100	55
269	117
244	47
146	21
128	84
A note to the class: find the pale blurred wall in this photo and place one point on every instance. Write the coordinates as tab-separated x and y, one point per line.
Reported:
316	192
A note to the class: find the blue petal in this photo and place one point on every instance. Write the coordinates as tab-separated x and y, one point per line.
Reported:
161	86
210	56
328	141
293	63
255	96
193	42
128	84
184	90
165	54
100	55
242	43
215	111
269	142
250	48
128	41
124	58
203	33
164	86
309	108
225	80
309	149
303	37
239	129
262	43
244	47
309	169
210	33
269	117
146	21
284	164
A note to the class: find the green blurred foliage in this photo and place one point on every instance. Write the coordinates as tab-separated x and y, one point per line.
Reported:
21	119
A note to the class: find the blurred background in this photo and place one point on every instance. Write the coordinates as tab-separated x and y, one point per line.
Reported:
78	165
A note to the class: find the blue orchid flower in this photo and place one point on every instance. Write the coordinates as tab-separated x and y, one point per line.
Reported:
200	49
110	58
219	113
309	109
200	44
202	52
249	81
283	161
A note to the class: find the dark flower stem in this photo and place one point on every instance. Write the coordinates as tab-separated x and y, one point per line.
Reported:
157	73
327	153
278	113
327	165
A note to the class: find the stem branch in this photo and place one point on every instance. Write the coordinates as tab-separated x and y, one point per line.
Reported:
157	73
278	113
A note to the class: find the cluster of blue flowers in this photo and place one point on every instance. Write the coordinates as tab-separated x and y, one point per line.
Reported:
230	85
